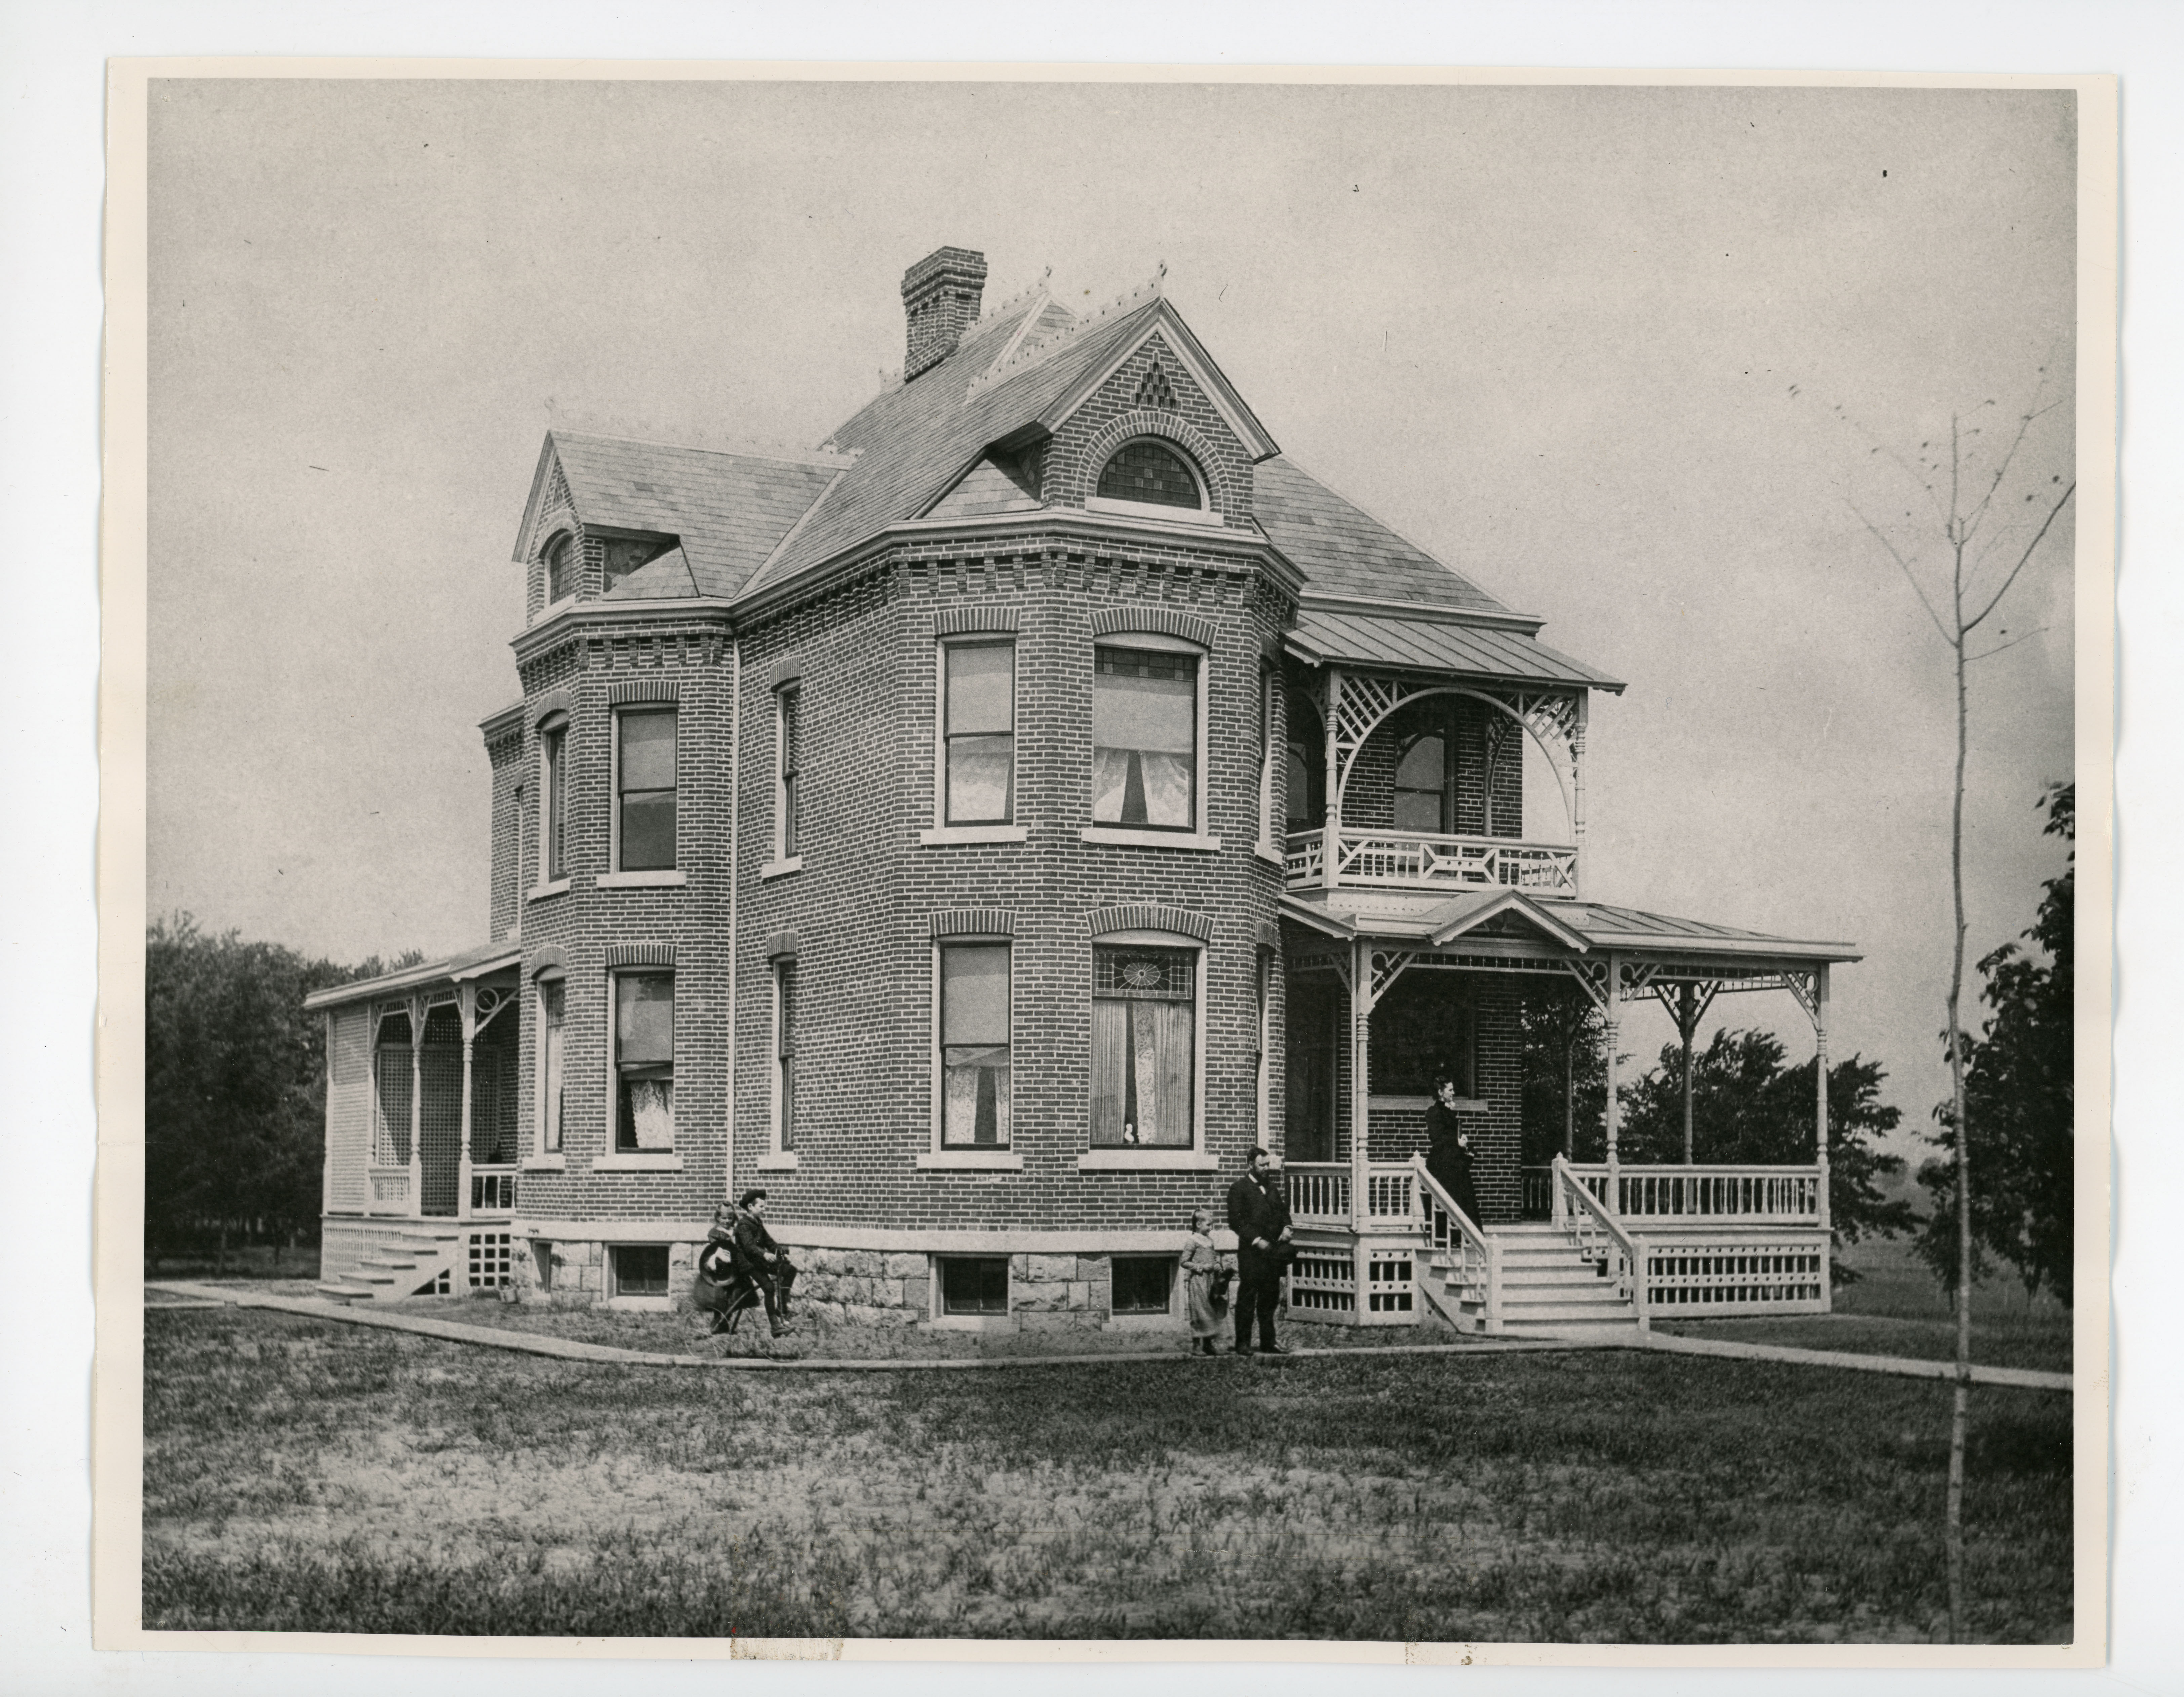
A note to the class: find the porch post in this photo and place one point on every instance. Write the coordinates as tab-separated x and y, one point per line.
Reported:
1577	792
1820	1084
1361	1087
418	1009
1687	1023
468	994
1330	784
1614	1113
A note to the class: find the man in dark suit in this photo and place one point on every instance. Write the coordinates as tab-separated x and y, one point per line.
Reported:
762	1260
1259	1216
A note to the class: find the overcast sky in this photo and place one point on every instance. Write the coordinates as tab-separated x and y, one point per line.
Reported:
1587	345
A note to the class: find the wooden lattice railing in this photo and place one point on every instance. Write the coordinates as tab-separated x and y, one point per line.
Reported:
1741	1195
1318	1192
1432	860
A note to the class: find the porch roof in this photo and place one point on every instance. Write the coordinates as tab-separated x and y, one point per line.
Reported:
1499	653
1512	920
456	969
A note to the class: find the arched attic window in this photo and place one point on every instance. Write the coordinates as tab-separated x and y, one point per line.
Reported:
1149	473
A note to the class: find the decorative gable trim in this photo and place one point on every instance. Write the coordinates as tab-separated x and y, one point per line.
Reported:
1513	904
1164	321
1147	916
640	955
642	689
959	621
1116	621
974	922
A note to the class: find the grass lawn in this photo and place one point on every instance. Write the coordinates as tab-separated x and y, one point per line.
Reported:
1895	1308
306	1475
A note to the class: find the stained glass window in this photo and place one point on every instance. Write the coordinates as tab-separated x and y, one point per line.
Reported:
1144	1042
1151	472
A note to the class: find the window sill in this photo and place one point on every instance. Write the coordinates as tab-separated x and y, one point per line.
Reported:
545	1163
781	869
1147	1161
974	1322
664	880
973	833
649	1161
1272	856
538	892
1151	510
778	1160
971	1161
1131	838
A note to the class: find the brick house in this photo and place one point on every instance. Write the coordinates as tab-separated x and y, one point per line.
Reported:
983	832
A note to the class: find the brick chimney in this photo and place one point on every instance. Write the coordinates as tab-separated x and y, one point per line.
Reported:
940	293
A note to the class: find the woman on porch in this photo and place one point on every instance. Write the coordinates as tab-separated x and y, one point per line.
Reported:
1448	1150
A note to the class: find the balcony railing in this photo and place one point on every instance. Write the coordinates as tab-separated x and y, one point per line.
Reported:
1426	860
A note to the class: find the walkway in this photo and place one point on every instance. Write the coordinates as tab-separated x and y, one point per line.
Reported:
570	1350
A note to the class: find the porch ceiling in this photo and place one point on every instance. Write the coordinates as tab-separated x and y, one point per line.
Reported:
456	969
1567	930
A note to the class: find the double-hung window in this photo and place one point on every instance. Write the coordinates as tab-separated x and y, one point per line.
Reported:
788	795
644	1062
552	1013
1144	739
554	800
974	1046
1145	1032
645	789
979	728
785	1053
562	562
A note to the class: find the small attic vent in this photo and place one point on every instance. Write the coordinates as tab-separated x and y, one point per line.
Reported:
1156	392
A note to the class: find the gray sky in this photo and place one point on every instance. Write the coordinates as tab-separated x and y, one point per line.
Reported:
1550	335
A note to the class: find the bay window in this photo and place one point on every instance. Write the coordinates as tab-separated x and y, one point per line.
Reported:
644	1062
1145	1030
1144	739
974	1045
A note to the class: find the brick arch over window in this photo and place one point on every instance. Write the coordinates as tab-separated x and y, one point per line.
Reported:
554	701
1143	421
1119	622
547	958
1149	916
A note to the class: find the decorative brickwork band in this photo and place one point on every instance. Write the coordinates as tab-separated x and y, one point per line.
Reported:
641	689
779	946
1116	621
547	957
974	922
957	621
553	701
505	726
640	955
1146	916
786	670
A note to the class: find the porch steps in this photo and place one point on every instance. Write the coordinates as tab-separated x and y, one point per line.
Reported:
405	1257
1547	1288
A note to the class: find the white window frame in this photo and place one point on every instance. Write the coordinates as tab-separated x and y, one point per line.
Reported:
1205	512
781	860
1196	1158
777	1156
553	790
942	1321
611	1159
650	877
940	831
1141	1320
935	1156
541	1157
1197	838
611	1281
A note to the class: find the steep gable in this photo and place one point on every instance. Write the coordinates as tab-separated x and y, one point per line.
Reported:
1150	392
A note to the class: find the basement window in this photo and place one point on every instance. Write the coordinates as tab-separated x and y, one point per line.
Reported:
1141	1284
639	1269
974	1284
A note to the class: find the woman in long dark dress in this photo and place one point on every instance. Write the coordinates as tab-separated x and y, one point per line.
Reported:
1448	1150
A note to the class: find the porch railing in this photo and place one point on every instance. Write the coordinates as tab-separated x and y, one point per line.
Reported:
1432	860
1743	1195
390	1189
492	1189
1467	1271
1319	1191
1600	1237
1697	1279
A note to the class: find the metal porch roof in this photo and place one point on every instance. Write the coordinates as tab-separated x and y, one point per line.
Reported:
1493	652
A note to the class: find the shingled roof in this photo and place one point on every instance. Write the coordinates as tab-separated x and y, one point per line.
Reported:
1343	550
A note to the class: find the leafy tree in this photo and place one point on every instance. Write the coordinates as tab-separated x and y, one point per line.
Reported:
1749	1109
235	1083
2018	1089
1563	1095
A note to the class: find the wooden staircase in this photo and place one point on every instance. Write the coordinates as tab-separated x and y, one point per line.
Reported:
1548	1288
409	1258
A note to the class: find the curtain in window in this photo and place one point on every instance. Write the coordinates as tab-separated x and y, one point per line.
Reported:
644	1056
981	725
1145	709
1143	1030
974	1046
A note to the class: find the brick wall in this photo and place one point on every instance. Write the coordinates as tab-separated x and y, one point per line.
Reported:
509	789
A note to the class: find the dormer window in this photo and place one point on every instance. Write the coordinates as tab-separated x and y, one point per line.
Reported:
1150	473
562	561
